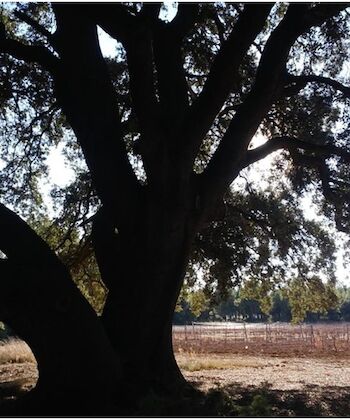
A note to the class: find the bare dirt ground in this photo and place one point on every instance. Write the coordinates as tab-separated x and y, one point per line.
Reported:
243	383
18	369
258	386
288	386
16	379
280	373
269	369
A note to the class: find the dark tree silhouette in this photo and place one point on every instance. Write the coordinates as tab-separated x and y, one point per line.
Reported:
181	104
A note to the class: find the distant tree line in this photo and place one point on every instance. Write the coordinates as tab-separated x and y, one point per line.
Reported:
237	306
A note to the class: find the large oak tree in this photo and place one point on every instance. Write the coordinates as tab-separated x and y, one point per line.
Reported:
164	128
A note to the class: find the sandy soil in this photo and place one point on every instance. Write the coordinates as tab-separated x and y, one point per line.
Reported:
294	386
277	372
16	379
280	373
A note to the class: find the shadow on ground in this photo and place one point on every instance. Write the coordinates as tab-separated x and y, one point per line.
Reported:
310	401
252	401
235	400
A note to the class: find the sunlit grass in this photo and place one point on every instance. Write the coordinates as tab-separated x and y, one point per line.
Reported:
192	362
14	350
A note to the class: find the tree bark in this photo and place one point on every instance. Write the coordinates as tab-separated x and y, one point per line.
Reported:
87	366
144	274
78	368
142	239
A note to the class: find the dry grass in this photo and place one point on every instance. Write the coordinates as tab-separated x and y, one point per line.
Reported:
208	371
192	362
14	350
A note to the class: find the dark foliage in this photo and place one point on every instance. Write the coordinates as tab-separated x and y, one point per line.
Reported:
158	137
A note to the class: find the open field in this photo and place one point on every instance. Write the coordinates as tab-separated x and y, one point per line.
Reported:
279	372
294	386
295	371
18	368
275	339
304	378
14	350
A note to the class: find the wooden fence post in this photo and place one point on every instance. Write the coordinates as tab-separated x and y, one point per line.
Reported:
312	336
245	332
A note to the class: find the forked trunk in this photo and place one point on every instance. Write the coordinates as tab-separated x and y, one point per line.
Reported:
87	365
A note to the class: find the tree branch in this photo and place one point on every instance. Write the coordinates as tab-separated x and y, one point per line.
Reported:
107	248
87	97
226	162
227	110
184	20
250	217
136	37
219	26
28	53
293	144
172	84
113	18
224	71
318	14
140	58
41	302
34	24
165	50
150	11
19	242
299	82
338	200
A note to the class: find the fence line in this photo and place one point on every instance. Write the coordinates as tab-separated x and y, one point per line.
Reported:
229	336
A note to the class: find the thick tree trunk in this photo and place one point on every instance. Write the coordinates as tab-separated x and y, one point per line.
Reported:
142	241
143	341
144	273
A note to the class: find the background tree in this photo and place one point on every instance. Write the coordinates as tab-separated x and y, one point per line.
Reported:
294	302
164	129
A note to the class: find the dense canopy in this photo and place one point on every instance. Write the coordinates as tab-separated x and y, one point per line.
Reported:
164	139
